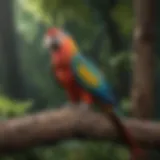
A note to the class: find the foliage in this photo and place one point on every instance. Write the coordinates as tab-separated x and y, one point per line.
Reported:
10	107
74	150
123	14
55	11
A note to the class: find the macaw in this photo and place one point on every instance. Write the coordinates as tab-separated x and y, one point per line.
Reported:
83	81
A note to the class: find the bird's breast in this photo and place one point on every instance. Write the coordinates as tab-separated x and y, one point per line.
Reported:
64	74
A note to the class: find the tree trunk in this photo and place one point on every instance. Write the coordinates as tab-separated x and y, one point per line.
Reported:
11	74
142	95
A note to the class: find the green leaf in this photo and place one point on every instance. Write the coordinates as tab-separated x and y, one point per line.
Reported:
9	107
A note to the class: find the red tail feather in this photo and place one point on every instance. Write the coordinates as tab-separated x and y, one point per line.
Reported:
136	151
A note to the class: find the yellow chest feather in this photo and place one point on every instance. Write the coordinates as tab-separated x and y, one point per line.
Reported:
87	76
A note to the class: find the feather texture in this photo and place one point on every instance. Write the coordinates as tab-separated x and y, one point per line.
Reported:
92	79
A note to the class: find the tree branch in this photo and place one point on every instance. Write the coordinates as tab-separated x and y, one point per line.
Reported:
68	123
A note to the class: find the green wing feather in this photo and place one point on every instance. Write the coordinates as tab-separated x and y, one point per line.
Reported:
87	74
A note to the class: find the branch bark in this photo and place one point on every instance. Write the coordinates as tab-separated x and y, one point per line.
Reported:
52	126
143	59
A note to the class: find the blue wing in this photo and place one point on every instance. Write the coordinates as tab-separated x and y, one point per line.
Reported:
90	78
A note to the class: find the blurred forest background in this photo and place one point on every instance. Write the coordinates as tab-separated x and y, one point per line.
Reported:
103	30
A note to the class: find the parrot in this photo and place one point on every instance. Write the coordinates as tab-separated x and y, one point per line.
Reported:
83	82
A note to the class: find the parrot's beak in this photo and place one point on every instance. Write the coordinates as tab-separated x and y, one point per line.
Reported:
51	43
47	42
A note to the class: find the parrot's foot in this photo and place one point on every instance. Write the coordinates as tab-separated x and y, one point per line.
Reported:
84	106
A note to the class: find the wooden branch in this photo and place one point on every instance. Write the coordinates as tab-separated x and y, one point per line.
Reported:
68	123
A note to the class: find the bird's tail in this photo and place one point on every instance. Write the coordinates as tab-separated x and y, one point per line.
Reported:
136	151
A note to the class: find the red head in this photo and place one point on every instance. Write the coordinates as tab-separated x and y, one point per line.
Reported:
56	39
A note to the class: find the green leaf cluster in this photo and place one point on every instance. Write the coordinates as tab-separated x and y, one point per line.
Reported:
10	107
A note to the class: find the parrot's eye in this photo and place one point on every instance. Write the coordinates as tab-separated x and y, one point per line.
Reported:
53	44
